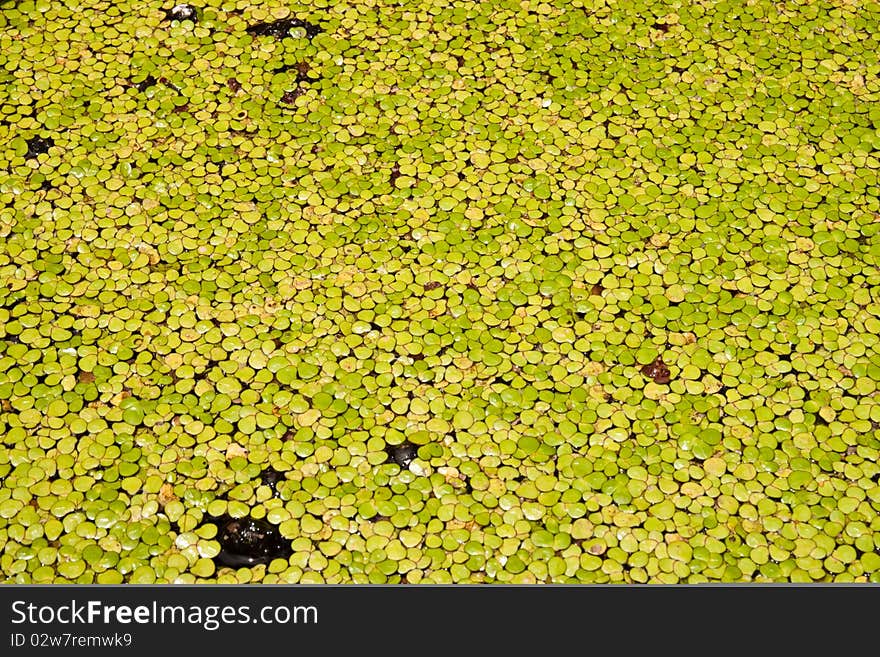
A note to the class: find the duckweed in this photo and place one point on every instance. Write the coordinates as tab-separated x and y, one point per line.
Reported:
418	291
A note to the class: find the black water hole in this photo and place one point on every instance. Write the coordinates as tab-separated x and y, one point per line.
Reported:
280	29
402	454
182	12
249	542
144	84
271	477
38	145
289	97
302	71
